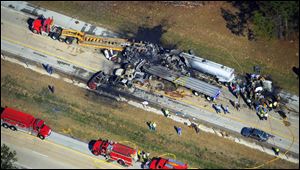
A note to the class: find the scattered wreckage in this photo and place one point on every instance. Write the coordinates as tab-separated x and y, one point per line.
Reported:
143	61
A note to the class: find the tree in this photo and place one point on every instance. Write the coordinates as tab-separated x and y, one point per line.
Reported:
284	16
270	19
263	26
7	157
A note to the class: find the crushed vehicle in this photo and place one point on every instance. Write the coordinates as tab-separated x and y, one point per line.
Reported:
17	120
114	151
256	134
162	163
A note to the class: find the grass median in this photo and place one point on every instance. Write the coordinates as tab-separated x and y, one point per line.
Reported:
200	28
84	115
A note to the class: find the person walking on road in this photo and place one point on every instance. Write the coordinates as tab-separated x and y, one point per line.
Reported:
237	105
226	109
217	108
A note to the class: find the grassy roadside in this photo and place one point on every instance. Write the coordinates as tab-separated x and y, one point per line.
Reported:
201	28
86	116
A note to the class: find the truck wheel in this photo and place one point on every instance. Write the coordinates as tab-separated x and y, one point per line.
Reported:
69	40
54	36
5	125
35	31
13	128
95	153
61	39
121	162
41	137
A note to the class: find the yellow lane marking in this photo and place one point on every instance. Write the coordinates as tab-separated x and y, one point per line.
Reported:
231	117
48	53
95	159
274	159
83	66
27	135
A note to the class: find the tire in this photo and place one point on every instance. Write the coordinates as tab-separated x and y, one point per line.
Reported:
69	40
13	128
5	125
54	36
41	137
61	39
95	153
35	31
121	162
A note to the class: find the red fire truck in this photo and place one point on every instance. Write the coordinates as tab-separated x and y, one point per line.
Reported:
162	163
17	120
123	154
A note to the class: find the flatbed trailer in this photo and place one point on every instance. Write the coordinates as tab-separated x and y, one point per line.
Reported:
177	78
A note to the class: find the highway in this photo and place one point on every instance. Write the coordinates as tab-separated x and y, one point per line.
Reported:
33	153
82	62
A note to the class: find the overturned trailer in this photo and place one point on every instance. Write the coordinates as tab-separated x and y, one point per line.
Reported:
222	73
177	78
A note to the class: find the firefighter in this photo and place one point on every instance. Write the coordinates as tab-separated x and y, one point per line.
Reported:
154	126
270	106
197	128
139	154
275	104
167	113
276	150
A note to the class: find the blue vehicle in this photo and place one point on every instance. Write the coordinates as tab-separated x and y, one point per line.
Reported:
256	134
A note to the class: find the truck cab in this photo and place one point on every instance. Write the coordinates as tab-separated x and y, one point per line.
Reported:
162	163
41	128
42	24
123	154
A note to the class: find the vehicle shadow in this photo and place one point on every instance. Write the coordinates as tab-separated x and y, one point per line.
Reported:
237	22
30	22
91	144
296	71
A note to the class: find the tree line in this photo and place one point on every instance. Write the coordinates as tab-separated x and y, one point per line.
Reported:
266	19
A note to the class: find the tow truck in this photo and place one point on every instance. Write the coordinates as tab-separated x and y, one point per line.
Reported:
45	26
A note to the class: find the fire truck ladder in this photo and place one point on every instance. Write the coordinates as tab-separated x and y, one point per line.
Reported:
84	39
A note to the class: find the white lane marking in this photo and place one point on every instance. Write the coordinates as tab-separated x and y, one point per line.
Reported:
39	153
22	166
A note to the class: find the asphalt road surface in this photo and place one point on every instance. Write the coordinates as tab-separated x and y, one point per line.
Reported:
17	38
33	153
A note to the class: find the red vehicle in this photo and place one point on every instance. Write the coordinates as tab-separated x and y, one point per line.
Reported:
162	163
123	154
17	120
42	24
45	26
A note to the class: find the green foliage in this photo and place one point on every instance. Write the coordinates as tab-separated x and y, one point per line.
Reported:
263	27
276	18
7	157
